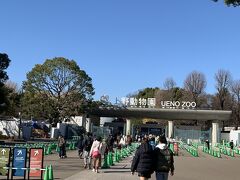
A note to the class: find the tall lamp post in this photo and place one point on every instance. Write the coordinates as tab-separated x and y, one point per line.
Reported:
20	125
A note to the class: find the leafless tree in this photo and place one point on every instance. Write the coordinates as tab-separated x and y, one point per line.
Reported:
223	81
169	84
195	83
235	90
13	86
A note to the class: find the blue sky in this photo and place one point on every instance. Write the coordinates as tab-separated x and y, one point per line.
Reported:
124	45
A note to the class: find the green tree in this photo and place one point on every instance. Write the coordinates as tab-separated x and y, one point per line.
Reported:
4	63
147	93
56	89
231	2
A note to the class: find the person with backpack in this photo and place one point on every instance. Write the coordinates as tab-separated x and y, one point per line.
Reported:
164	162
143	160
87	144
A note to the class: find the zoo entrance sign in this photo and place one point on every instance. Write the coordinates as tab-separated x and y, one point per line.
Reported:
178	104
151	103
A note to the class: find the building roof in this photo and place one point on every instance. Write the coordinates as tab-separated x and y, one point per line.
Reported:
164	114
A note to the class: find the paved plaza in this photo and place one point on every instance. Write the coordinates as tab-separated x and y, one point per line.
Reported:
187	167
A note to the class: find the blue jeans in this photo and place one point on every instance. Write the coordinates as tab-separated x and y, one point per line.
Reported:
161	176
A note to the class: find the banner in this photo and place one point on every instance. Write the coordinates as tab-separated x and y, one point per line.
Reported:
4	161
36	161
19	161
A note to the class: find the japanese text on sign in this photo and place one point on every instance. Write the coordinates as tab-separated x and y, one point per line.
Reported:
36	161
19	161
139	102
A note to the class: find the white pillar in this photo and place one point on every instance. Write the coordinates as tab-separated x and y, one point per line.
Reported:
88	124
215	129
58	125
170	129
128	127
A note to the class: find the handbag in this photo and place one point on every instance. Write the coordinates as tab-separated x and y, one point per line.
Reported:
96	152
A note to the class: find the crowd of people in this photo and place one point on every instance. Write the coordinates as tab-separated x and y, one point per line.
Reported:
93	148
153	154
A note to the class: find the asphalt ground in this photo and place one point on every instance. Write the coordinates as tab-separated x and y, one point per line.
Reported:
187	167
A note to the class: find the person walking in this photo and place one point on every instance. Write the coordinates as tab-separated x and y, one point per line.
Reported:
122	142
207	144
96	154
80	146
231	144
86	145
163	161
110	142
143	160
129	140
104	149
152	141
62	146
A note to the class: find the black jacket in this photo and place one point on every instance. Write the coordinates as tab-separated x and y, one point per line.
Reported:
143	159
163	161
87	143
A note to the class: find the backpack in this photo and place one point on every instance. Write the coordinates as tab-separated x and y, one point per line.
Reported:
87	143
163	163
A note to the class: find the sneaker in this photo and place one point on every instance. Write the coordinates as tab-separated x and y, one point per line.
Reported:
93	170
85	166
97	171
89	167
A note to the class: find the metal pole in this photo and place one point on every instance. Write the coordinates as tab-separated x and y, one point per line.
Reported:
20	125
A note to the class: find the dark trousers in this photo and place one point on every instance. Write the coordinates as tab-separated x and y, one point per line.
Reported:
161	176
62	151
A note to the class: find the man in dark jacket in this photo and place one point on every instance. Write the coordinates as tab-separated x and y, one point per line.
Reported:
143	161
163	160
231	144
80	146
87	144
208	144
110	142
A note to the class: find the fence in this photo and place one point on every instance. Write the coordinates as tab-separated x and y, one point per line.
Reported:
193	134
101	131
